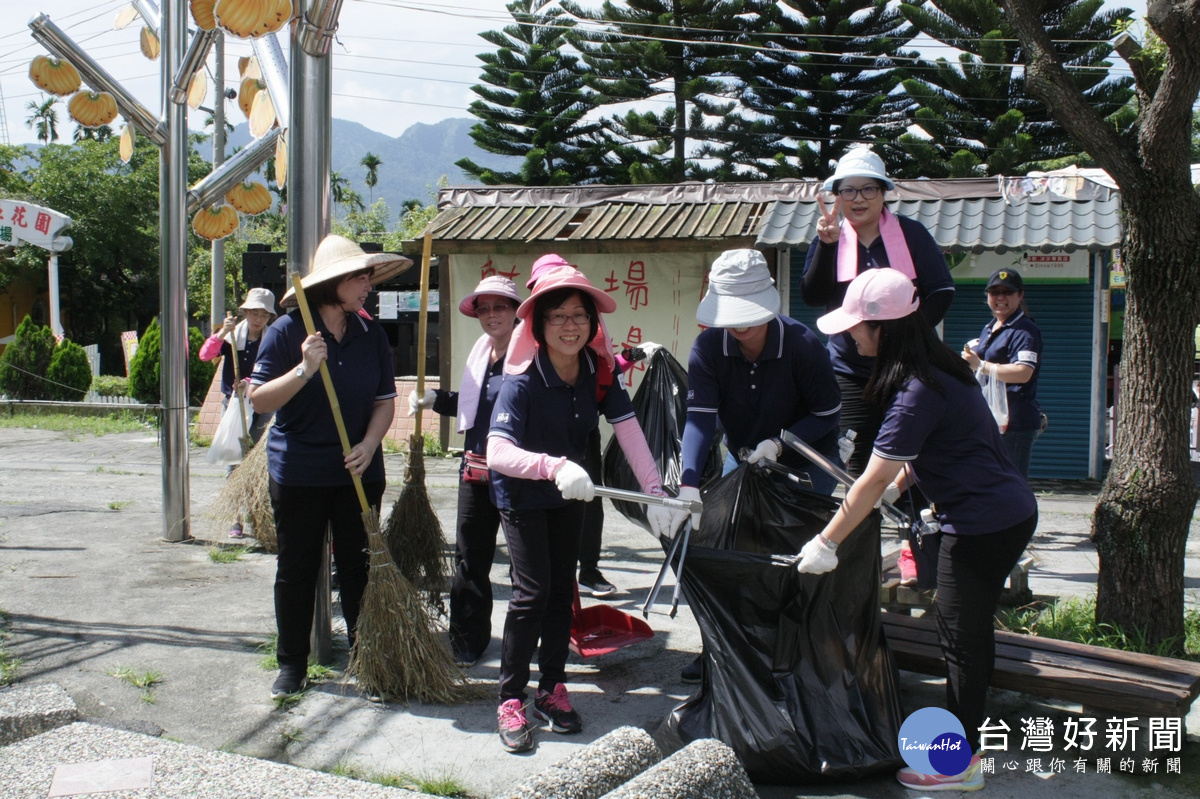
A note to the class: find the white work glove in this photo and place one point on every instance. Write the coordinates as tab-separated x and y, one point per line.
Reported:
661	520
818	556
573	481
424	402
846	446
890	495
688	493
768	449
649	348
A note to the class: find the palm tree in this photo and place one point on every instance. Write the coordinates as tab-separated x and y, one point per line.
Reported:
372	163
102	133
43	119
342	194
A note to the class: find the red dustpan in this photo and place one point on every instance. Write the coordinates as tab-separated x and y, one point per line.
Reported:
601	629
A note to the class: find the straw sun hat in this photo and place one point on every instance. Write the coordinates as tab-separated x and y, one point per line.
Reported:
337	257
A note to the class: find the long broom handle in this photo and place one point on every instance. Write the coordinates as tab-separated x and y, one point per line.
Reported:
311	329
232	339
423	326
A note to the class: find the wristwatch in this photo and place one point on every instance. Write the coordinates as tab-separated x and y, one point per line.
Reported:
300	373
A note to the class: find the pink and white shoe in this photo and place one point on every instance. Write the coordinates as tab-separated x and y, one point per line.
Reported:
971	779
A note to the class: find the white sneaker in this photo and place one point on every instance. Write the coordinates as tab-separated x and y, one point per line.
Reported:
971	779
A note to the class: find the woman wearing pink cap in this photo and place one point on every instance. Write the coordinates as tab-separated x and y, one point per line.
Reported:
936	427
494	303
550	402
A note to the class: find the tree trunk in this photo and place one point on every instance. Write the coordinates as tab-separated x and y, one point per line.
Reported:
1145	509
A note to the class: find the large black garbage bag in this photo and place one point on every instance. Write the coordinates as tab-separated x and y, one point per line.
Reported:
661	407
797	677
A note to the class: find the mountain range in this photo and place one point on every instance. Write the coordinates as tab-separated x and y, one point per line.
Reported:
412	163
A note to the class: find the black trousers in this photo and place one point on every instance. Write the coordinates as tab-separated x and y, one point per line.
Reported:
543	546
971	574
593	523
301	516
471	588
860	417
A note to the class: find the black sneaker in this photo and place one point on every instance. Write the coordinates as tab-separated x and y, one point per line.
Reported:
691	672
464	658
291	681
555	707
515	733
593	582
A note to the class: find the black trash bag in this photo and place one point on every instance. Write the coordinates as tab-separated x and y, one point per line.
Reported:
797	677
661	407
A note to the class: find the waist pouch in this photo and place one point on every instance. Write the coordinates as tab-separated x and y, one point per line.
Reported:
475	468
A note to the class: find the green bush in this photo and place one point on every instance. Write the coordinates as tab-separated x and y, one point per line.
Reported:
111	385
145	380
24	362
70	372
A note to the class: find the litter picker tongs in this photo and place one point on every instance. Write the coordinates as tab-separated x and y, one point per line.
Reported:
679	543
838	473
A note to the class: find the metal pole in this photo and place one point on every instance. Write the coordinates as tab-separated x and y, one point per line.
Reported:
172	181
309	137
217	312
55	315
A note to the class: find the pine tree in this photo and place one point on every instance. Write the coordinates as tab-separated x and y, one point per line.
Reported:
532	102
974	113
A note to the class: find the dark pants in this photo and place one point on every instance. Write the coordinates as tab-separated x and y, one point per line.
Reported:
471	589
543	546
1019	445
301	516
593	523
971	574
860	417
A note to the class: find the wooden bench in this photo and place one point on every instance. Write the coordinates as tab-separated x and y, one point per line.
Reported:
1095	677
897	598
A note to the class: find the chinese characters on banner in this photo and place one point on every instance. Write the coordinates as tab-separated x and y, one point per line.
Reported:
1110	749
22	222
656	296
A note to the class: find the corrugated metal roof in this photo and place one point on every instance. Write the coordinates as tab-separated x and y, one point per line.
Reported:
976	225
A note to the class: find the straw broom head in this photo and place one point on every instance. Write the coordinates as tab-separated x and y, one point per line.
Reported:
247	493
414	534
399	654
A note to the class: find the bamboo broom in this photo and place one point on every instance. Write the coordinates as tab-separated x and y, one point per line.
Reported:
414	534
396	654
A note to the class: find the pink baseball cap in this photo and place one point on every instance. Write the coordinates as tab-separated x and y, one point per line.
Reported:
547	263
495	285
874	296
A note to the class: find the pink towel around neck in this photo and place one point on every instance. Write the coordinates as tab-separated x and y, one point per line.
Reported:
894	245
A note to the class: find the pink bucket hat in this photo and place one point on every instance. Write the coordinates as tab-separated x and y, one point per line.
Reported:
543	265
495	285
524	346
874	296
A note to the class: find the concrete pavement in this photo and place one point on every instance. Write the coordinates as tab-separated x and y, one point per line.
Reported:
91	589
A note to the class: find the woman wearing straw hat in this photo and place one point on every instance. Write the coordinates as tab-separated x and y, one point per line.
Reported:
310	484
935	420
758	373
550	401
259	310
494	303
868	236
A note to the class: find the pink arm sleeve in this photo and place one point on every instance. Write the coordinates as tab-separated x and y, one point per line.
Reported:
507	458
637	452
211	348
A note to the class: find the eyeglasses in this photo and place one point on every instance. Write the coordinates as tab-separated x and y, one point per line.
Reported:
560	319
866	192
484	310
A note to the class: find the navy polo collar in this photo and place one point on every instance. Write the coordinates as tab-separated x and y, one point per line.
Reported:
772	349
546	368
352	331
1007	322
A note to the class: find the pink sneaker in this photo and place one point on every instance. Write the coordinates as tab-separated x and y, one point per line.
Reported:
908	567
970	779
515	733
555	707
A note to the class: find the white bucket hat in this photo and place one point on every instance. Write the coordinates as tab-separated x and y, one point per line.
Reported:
741	292
860	162
337	257
260	299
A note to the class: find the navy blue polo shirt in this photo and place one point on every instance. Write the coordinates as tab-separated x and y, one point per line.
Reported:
538	412
1018	340
246	359
954	447
933	276
791	386
475	436
303	448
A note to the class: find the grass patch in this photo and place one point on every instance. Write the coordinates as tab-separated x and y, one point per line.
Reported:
270	662
226	554
1074	619
77	425
9	665
117	504
201	441
431	785
390	447
145	681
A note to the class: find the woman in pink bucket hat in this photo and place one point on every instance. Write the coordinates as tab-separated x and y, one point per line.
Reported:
494	303
554	390
938	430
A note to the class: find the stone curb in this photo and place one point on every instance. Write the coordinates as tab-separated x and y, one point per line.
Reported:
605	764
28	710
705	768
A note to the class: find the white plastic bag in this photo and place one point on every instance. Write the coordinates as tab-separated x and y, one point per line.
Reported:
995	391
232	433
